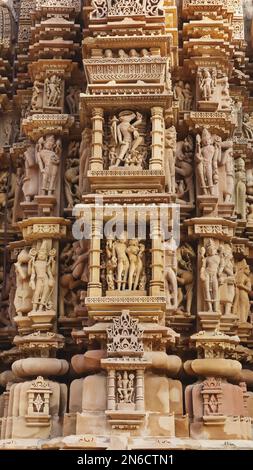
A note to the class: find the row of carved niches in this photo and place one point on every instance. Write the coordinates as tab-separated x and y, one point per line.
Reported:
125	266
218	175
52	95
226	282
35	296
73	279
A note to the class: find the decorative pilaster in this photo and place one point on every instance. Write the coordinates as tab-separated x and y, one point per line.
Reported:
96	161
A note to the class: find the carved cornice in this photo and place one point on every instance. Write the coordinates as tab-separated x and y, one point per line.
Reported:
44	227
42	68
38	125
114	101
214	227
218	122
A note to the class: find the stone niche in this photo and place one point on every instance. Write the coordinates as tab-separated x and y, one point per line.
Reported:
36	408
217	410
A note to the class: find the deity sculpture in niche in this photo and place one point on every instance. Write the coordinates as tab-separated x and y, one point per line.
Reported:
48	153
207	83
170	159
241	306
210	270
53	91
30	180
226	172
125	268
71	176
126	140
23	294
186	259
85	153
125	387
206	161
41	269
226	280
184	166
240	189
170	274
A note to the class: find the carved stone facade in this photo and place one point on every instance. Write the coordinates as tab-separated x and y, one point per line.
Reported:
126	224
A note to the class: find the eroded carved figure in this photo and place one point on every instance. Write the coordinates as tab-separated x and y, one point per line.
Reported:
170	159
85	154
240	189
30	180
23	294
37	96
226	171
247	126
71	176
241	306
170	275
184	167
72	99
186	259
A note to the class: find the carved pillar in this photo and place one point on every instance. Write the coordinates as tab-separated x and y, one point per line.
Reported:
157	281
96	162
111	390
157	119
140	404
95	286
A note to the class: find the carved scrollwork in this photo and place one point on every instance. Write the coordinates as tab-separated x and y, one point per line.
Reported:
103	8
